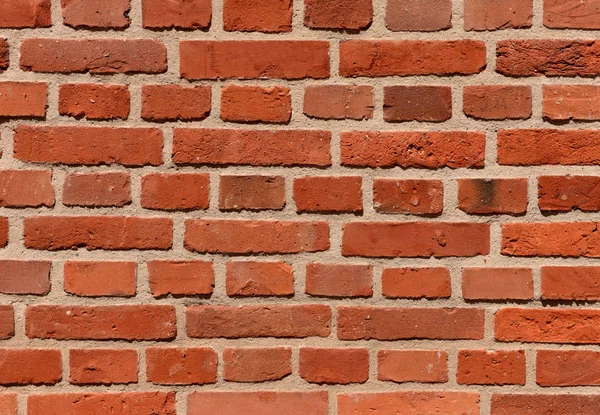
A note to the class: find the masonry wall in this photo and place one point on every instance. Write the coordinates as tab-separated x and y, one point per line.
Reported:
315	207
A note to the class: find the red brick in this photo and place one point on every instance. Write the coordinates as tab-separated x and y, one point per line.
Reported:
338	14
88	145
98	14
497	284
251	192
337	280
417	103
7	322
122	322
493	196
563	239
497	102
259	279
251	104
424	366
481	367
428	283
430	150
334	366
8	404
567	193
418	15
571	102
131	403
409	403
3	232
175	103
328	194
293	321
94	102
494	15
544	404
4	54
263	403
567	368
545	146
181	366
23	99
178	14
97	279
96	56
30	367
97	189
25	277
415	239
181	278
254	59
339	102
571	283
18	14
571	14
417	197
411	57
269	16
257	365
394	323
255	236
549	57
97	232
103	366
26	188
175	191
252	147
540	325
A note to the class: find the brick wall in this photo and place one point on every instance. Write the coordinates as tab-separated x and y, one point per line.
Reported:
309	207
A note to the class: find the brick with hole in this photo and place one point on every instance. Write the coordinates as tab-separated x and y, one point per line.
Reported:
101	322
267	16
30	367
88	403
21	14
180	278
93	190
274	320
409	403
497	102
256	104
568	193
221	147
334	366
493	196
103	366
26	188
25	277
339	102
412	196
177	14
259	279
258	402
8	404
496	284
254	59
22	99
541	404
429	150
418	15
579	283
257	364
92	146
339	280
7	321
3	232
100	278
161	103
429	283
94	101
4	54
481	367
571	14
417	103
562	103
251	192
181	366
96	14
494	15
175	191
422	366
567	368
328	194
350	15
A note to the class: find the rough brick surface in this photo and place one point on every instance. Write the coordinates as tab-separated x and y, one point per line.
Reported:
417	103
269	16
19	14
497	102
178	14
418	15
495	15
338	102
23	99
94	102
103	366
101	14
257	365
424	366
